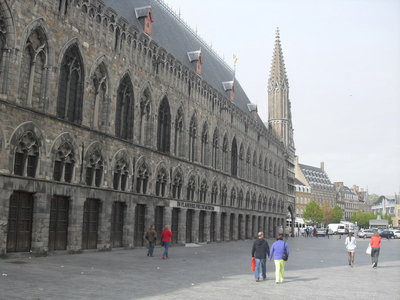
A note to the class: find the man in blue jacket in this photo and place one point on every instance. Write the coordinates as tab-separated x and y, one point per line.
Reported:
260	251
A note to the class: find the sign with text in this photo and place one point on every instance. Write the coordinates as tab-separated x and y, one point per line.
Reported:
192	205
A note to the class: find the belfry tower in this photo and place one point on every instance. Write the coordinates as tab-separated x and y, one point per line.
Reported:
280	119
279	114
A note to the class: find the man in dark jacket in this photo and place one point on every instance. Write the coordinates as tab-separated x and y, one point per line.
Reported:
260	251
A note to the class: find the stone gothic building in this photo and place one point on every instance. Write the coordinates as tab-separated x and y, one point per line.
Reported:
115	115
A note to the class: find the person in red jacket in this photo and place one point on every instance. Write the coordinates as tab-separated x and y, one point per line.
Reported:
166	235
375	248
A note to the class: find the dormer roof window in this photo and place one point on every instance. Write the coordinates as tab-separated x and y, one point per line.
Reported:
196	56
228	85
253	109
145	13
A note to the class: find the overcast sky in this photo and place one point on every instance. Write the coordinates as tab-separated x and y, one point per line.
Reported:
343	63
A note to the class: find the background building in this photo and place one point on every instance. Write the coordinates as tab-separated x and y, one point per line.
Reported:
322	190
115	115
303	197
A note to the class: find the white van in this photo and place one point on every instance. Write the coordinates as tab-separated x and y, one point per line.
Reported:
337	228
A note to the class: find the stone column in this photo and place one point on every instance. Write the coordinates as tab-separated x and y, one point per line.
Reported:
243	227
5	205
182	226
249	227
167	216
40	223
195	226
217	226
129	226
104	231
255	229
75	223
207	223
150	215
235	227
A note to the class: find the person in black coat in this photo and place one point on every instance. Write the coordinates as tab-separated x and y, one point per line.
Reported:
260	251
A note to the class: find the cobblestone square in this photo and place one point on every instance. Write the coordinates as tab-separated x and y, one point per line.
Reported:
317	269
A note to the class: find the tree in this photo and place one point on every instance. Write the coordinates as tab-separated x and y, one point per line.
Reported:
327	213
337	214
313	213
373	198
362	218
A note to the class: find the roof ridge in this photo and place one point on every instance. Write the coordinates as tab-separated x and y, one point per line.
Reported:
194	33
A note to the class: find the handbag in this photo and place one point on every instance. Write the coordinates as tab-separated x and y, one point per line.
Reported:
285	256
253	264
368	251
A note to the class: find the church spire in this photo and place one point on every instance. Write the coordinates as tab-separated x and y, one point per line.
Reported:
277	74
279	110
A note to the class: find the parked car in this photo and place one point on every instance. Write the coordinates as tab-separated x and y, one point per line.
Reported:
365	233
321	231
396	233
387	234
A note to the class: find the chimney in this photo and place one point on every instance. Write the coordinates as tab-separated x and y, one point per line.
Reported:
195	56
322	166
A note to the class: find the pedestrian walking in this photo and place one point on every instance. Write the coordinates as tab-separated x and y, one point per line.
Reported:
350	243
166	240
375	243
278	249
327	232
260	251
151	238
287	232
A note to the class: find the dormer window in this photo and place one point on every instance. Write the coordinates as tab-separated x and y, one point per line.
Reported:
228	86
253	109
145	13
196	56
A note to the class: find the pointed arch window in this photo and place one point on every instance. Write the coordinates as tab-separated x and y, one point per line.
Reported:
240	199
145	118
270	205
225	154
164	126
120	177
26	155
33	75
254	166
264	204
224	195
161	182
214	156
192	139
142	179
253	202
177	186
191	187
179	142
94	168
247	204
234	156
203	191
259	203
241	161
124	111
71	86
100	89
64	163
214	193
204	145
248	166
233	197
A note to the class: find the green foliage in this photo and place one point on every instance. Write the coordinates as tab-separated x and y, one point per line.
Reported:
337	214
386	217
313	213
362	218
327	213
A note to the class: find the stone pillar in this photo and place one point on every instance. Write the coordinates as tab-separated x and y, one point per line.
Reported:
75	223
235	227
5	205
167	216
195	226
207	223
150	215
182	226
104	231
243	227
249	229
218	227
129	226
40	223
255	229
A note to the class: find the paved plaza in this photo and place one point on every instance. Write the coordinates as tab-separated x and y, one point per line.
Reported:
317	269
